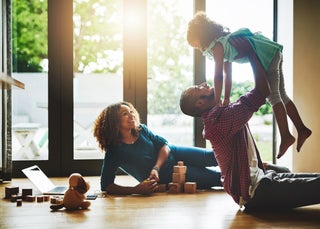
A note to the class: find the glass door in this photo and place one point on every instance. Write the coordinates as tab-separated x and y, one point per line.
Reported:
40	52
170	69
30	137
69	54
98	68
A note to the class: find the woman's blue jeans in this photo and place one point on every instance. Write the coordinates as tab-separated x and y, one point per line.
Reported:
198	160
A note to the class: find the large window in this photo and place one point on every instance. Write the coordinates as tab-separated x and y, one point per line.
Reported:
77	57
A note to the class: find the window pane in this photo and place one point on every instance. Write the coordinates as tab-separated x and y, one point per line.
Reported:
170	69
98	67
258	17
30	66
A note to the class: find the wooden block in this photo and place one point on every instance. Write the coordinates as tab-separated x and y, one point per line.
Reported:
178	178
26	192
46	198
161	188
180	163
12	190
174	188
59	201
53	200
40	199
101	194
30	198
19	202
146	180
179	169
14	198
190	187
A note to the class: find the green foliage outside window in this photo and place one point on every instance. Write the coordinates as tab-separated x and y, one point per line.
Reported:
96	51
240	88
29	35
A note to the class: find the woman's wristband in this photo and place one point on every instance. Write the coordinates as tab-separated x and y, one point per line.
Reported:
156	168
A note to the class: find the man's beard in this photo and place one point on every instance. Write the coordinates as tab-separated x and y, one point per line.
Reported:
211	96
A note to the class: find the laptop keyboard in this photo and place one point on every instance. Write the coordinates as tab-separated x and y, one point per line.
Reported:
58	189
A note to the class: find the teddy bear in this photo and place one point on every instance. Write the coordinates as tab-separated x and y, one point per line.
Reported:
74	198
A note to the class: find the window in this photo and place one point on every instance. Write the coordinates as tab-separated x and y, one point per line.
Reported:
104	60
258	17
98	68
30	65
170	69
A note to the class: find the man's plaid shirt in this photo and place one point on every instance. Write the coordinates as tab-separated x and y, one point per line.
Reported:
225	127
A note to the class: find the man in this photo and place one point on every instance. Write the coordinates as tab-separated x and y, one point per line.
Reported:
242	172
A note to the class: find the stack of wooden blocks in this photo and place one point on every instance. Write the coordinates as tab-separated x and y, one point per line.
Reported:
179	183
12	192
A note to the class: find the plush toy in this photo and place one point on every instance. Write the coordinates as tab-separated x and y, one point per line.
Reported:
74	197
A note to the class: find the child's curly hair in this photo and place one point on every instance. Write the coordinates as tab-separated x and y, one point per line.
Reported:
106	130
203	30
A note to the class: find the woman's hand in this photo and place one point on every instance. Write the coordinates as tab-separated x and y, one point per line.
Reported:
146	187
154	174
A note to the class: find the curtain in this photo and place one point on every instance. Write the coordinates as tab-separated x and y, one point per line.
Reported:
6	134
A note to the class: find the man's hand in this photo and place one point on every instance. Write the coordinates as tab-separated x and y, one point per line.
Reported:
242	45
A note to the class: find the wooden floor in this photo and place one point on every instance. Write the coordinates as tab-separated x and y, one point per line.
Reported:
205	209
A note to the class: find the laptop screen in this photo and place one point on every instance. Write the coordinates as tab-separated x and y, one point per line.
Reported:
38	178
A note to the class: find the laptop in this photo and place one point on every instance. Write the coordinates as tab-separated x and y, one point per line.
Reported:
42	182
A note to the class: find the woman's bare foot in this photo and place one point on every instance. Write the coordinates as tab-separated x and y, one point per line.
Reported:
285	144
302	137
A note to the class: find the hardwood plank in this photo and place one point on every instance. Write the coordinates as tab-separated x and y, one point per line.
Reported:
205	209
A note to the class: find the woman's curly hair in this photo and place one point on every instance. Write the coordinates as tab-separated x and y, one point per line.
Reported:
203	30
106	126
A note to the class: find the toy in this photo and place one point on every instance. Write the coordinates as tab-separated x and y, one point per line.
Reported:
74	197
179	183
178	178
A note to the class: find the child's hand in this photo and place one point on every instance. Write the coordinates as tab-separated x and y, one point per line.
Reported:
226	102
218	103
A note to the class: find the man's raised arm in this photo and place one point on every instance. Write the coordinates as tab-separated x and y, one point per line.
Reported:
244	48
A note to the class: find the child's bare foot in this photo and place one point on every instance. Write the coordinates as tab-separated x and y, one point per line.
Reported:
285	144
302	136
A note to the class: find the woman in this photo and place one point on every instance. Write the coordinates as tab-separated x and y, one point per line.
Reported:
131	146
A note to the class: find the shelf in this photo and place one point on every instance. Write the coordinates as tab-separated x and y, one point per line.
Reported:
6	81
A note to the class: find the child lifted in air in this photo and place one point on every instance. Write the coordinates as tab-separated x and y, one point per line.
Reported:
211	39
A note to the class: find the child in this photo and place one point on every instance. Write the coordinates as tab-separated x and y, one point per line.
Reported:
211	38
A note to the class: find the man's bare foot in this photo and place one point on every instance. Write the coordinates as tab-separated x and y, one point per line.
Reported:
285	144
302	136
